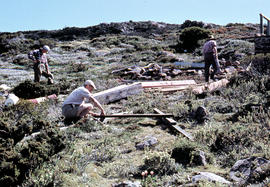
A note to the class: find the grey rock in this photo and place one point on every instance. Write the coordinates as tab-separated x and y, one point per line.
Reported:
149	142
243	170
128	184
202	158
210	177
201	114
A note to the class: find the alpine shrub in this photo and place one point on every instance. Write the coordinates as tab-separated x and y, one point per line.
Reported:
190	36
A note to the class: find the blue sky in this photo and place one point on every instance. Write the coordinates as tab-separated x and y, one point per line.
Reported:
24	15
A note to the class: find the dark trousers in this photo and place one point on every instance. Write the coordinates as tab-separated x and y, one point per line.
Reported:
39	72
209	60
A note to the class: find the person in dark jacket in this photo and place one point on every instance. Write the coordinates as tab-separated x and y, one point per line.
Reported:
211	58
41	67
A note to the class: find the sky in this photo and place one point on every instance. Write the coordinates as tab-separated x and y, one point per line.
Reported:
26	15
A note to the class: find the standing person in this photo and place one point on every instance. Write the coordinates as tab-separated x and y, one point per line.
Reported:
75	105
211	58
41	67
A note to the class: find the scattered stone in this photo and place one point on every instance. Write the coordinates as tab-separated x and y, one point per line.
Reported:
127	184
245	170
201	114
4	87
202	158
230	70
210	177
11	100
149	142
148	122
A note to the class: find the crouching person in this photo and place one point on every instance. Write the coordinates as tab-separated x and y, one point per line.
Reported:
75	106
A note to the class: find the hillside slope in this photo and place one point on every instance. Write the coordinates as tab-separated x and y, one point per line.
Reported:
235	125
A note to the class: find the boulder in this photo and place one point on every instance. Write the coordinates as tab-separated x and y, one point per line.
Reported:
148	142
210	177
201	114
11	100
244	171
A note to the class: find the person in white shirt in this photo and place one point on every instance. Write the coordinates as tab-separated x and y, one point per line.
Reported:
75	105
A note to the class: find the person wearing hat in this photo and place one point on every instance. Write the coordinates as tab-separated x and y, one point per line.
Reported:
75	104
41	67
211	58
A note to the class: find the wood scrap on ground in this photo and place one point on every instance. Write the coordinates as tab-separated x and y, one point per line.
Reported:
152	71
172	123
42	99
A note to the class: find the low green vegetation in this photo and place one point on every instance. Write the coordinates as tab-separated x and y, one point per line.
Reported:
92	153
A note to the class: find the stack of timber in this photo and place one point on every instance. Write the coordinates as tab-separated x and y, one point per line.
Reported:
123	91
168	85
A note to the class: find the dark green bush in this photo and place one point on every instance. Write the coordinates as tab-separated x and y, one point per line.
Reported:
189	23
188	153
30	90
17	162
190	36
259	64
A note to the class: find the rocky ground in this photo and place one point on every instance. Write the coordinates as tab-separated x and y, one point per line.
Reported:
230	144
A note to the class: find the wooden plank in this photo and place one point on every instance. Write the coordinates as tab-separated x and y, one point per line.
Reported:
135	115
174	89
169	121
172	123
265	17
185	133
164	84
117	93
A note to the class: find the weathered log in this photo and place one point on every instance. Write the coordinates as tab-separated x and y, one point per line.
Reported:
117	93
210	87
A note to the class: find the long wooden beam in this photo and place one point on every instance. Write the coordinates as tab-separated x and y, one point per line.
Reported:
167	84
135	115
